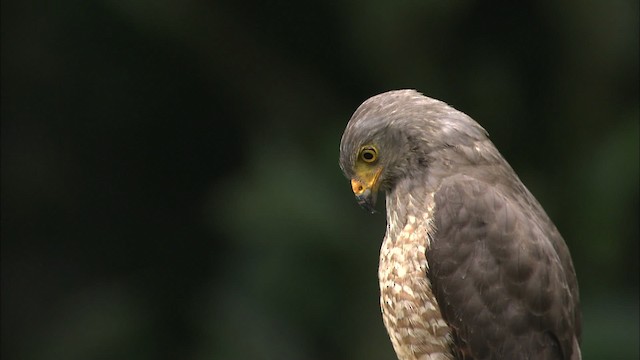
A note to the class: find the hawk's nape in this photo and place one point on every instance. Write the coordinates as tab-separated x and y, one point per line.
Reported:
471	267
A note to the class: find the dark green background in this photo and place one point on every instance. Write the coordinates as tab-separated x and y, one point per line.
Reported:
170	185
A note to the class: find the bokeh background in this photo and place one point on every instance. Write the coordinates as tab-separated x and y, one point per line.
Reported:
170	185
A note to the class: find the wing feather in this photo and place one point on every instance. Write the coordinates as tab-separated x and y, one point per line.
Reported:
502	274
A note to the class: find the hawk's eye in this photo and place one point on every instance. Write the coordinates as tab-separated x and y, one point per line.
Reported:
369	154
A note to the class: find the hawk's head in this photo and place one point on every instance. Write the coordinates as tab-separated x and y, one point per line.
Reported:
392	135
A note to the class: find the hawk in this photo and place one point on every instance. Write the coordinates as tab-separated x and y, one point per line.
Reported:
471	266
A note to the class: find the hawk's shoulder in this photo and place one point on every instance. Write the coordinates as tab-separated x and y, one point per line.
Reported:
499	272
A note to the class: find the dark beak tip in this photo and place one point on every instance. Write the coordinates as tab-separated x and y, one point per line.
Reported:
365	202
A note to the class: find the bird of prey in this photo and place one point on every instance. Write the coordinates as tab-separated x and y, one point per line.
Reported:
471	266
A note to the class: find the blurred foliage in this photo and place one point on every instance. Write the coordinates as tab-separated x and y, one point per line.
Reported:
170	186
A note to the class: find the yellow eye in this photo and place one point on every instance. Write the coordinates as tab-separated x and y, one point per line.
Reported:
369	154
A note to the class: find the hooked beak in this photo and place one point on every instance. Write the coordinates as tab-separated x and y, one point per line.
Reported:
365	188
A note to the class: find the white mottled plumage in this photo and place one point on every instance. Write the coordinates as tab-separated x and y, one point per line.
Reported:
406	299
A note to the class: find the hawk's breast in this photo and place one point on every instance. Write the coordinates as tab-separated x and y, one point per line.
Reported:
409	308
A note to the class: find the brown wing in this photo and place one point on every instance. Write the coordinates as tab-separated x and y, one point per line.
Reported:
502	274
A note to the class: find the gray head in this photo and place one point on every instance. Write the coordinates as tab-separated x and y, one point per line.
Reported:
394	134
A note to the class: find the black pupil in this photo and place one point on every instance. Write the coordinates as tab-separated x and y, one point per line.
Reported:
367	155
